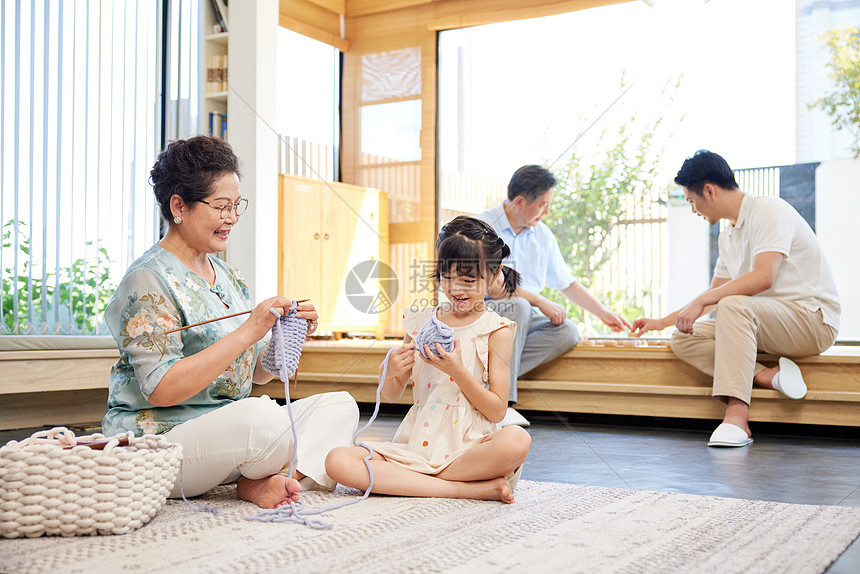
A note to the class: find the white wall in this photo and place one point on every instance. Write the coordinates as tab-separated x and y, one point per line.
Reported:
837	203
253	245
689	263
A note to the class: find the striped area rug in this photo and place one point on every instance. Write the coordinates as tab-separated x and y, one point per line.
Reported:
551	528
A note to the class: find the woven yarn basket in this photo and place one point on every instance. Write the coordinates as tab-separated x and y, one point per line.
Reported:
46	489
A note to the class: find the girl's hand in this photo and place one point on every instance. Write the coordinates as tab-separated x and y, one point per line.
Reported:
400	363
449	363
401	360
262	319
307	311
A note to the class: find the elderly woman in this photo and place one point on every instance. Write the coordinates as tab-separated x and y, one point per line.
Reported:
194	385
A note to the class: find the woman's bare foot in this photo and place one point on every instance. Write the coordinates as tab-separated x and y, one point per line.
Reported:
270	492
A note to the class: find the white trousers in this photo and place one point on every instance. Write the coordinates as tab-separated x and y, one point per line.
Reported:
253	438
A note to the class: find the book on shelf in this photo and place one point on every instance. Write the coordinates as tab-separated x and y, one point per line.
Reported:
216	74
222	75
211	74
218	125
219	7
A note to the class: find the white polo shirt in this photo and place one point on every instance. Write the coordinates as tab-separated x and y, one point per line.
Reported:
770	224
535	253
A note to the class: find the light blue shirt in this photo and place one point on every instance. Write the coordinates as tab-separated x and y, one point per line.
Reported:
535	254
157	294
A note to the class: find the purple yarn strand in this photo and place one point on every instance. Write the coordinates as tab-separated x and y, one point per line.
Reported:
432	331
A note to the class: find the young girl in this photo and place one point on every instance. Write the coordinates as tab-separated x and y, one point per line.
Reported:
450	444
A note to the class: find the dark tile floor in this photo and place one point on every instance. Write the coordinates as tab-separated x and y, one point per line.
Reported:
793	464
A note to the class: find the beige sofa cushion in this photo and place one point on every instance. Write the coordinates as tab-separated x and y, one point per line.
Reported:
54	342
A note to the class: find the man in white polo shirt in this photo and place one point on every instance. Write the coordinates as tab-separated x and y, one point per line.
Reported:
546	334
772	290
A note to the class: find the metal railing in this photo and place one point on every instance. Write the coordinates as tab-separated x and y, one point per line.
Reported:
306	159
466	194
793	183
634	275
634	272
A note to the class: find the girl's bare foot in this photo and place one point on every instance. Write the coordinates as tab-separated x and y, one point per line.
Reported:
506	494
270	492
496	489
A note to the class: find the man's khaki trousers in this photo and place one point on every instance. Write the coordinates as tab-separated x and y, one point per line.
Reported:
726	347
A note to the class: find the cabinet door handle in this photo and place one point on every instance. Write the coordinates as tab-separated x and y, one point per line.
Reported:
325	236
316	235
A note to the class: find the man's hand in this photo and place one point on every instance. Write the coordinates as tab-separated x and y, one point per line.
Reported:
688	316
645	324
554	311
614	321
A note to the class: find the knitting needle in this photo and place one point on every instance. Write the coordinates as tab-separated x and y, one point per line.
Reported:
218	319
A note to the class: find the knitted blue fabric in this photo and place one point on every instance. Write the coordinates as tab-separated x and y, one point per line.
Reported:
281	355
432	332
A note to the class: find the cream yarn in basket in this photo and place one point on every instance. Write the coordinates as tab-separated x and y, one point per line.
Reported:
46	489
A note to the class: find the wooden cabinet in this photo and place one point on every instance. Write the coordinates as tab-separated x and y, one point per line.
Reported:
325	230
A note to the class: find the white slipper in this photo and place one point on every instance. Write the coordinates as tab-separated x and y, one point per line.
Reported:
728	434
790	380
512	417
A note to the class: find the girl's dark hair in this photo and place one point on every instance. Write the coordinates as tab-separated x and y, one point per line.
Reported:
188	168
471	247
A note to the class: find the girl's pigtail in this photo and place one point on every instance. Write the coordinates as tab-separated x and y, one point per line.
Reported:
511	280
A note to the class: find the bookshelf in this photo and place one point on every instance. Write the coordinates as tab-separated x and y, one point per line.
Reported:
215	63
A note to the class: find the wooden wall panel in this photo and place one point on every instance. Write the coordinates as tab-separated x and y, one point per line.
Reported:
336	6
312	19
355	8
380	69
462	13
449	15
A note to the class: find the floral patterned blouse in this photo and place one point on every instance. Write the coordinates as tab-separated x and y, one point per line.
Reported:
157	294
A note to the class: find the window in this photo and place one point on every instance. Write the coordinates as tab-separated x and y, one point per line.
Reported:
614	115
308	95
80	124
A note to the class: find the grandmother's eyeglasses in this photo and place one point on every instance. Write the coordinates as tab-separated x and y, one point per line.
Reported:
240	207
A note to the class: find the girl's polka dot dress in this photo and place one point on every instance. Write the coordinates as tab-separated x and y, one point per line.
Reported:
442	424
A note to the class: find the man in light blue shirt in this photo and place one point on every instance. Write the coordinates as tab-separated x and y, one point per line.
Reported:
543	330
